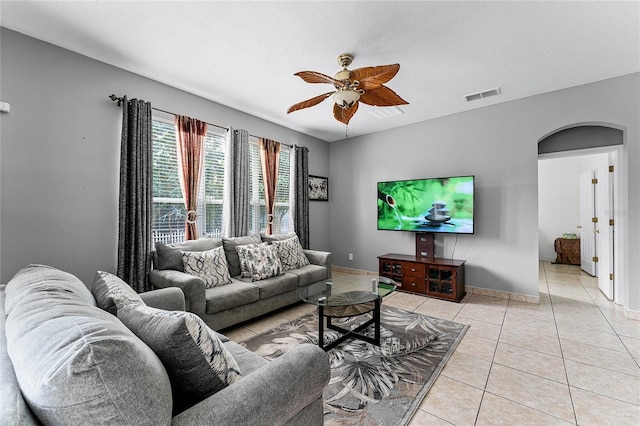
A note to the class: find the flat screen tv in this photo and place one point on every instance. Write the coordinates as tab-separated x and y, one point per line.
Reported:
427	205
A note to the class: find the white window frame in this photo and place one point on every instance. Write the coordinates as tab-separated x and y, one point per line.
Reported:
203	200
256	203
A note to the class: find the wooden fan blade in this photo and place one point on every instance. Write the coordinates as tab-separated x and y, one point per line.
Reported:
373	77
309	102
317	77
343	115
382	96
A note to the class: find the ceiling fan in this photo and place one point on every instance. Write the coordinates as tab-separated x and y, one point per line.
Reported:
352	87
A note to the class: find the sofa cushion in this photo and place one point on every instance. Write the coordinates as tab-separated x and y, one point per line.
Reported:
248	361
169	256
76	363
210	265
259	261
238	293
290	253
230	245
35	279
309	274
198	363
13	408
273	286
276	237
109	292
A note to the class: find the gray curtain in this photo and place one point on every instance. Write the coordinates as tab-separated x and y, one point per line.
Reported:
235	199
136	194
300	194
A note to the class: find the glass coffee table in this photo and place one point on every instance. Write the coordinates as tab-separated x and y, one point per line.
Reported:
348	296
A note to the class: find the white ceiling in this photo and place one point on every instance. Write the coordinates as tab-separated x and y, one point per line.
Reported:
244	54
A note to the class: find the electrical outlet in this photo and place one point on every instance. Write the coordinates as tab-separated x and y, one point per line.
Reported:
350	256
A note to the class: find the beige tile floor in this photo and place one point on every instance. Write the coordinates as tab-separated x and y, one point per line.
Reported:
572	359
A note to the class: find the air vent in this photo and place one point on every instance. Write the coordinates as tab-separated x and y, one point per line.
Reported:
385	112
485	94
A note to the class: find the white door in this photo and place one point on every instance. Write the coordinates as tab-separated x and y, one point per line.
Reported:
603	232
587	227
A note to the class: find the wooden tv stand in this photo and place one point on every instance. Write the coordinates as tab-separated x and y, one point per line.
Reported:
432	276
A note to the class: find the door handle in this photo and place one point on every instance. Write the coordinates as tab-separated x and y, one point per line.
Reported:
579	226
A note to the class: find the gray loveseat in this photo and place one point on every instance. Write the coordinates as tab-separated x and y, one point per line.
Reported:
66	361
243	299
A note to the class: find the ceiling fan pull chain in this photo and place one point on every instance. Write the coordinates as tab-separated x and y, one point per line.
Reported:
346	131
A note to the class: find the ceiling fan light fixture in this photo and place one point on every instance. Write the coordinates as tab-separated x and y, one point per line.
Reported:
352	87
343	75
346	98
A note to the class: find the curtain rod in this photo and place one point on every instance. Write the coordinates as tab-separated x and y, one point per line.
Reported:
114	98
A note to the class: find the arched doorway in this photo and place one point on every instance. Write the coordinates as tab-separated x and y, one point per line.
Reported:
598	241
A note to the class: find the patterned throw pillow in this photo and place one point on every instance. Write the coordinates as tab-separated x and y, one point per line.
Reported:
197	362
290	253
230	245
210	265
259	261
111	292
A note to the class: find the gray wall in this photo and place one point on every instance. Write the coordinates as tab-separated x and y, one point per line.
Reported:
59	151
498	144
60	148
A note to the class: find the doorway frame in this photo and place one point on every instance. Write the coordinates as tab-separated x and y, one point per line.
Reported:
617	158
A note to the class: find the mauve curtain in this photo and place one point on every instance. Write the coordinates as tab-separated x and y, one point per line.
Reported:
135	241
270	161
190	144
300	193
235	198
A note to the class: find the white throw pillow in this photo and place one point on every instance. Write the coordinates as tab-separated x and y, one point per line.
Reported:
290	253
210	265
259	261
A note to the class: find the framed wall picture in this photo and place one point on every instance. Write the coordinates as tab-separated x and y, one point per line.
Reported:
318	188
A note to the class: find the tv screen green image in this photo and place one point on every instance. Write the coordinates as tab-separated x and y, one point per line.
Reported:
427	205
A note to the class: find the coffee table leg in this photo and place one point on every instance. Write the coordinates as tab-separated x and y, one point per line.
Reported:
376	317
321	326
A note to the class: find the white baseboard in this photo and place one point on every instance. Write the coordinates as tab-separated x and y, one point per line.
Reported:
518	297
631	314
352	271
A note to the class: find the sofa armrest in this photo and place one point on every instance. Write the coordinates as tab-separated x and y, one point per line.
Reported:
271	395
169	299
14	410
322	258
192	287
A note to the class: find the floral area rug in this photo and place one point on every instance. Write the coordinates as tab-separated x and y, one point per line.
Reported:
373	385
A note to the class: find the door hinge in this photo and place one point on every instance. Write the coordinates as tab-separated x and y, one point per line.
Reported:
594	258
610	222
610	169
611	277
594	219
594	181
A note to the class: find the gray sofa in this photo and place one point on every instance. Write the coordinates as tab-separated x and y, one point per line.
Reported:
243	299
64	360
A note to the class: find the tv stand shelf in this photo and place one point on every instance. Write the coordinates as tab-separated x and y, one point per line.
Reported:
433	276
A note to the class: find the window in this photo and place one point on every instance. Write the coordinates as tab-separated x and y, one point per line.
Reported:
258	209
169	212
168	203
